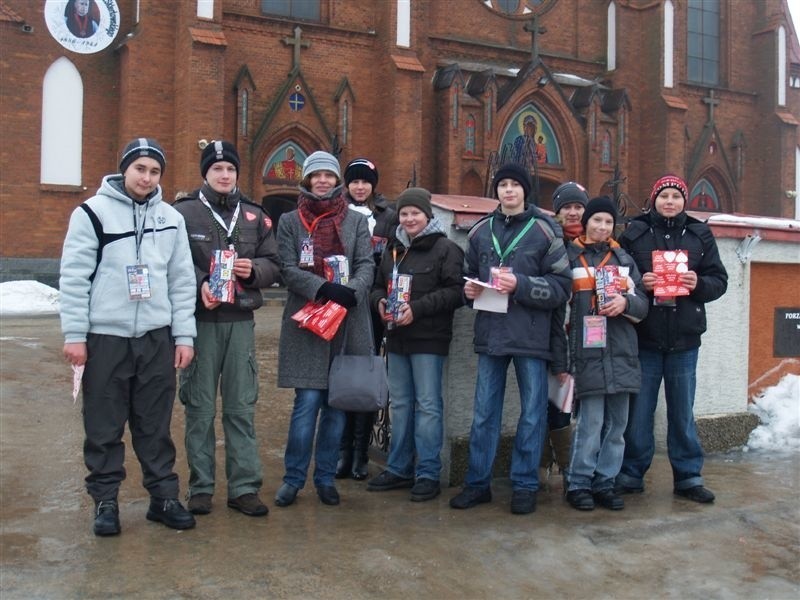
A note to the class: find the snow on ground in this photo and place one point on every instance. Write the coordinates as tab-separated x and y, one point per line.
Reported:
778	408
23	298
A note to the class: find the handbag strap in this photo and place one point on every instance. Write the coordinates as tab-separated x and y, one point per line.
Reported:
369	327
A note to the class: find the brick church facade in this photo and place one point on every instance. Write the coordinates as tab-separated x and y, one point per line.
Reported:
610	93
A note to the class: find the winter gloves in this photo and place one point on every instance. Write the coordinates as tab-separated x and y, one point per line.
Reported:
341	294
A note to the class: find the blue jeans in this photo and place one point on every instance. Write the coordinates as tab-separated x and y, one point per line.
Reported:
598	443
484	437
678	370
415	387
307	404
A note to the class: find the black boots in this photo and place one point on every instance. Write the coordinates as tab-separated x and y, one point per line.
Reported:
354	448
106	518
345	463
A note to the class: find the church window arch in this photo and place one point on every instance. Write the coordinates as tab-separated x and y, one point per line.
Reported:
62	124
244	116
605	149
704	197
611	33
469	135
529	137
285	164
703	42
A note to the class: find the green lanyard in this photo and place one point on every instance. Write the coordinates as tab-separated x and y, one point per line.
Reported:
504	253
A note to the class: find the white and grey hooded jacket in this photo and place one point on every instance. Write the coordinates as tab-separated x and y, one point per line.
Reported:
101	243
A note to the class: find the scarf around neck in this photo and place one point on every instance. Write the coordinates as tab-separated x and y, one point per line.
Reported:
327	233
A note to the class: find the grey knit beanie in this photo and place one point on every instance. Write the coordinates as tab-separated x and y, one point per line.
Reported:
321	161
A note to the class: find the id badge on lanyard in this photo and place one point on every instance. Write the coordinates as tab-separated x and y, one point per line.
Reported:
594	331
307	252
138	275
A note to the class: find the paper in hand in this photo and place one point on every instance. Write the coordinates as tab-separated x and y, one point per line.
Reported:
489	299
77	377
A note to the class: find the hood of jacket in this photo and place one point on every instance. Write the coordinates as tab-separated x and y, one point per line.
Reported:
113	186
434	227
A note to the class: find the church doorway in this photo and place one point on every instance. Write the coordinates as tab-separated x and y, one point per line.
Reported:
277	204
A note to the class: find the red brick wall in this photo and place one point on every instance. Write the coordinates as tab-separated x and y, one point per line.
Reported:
165	83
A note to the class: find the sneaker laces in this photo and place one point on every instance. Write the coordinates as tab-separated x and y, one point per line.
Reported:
171	504
104	505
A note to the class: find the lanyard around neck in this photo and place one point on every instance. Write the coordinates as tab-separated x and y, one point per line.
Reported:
139	231
510	248
606	258
228	229
315	222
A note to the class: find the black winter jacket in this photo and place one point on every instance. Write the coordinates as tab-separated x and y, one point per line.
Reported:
676	328
543	282
615	368
253	239
434	262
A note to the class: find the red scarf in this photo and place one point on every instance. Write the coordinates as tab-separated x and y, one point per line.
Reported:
327	234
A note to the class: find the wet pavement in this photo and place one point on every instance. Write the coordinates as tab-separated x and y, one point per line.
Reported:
374	545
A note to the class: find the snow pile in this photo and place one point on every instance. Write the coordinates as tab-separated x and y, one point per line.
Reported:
22	298
778	408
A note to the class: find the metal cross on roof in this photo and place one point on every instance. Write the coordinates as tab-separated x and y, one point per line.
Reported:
712	102
536	31
297	43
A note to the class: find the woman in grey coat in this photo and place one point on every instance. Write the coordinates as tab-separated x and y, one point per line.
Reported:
322	226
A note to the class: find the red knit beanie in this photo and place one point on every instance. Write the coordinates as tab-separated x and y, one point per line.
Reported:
669	181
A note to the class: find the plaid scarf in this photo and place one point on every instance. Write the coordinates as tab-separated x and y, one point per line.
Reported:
327	235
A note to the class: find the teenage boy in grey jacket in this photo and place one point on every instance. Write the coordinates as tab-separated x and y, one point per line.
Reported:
127	313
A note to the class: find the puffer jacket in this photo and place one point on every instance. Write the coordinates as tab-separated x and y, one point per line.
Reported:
679	327
100	245
435	263
253	238
615	368
543	282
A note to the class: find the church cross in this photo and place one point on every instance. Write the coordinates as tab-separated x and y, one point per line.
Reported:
297	43
712	102
536	30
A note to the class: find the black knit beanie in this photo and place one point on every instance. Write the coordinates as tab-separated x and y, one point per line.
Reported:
567	193
419	197
218	151
142	147
361	168
598	205
517	173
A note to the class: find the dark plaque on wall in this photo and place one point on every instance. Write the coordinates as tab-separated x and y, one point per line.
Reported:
787	332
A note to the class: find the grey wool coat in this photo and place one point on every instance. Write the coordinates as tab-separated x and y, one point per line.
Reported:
303	357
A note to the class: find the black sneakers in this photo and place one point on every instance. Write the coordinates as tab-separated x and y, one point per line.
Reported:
523	502
106	518
248	504
170	512
425	489
328	495
609	499
286	495
696	494
580	499
388	481
470	497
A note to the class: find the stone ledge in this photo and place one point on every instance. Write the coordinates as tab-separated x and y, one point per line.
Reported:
718	433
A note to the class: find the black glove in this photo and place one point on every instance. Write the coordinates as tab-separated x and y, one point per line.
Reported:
341	294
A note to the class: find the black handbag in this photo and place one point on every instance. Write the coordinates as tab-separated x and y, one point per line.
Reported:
357	383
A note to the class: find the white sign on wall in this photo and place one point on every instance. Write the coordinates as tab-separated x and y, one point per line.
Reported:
82	26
